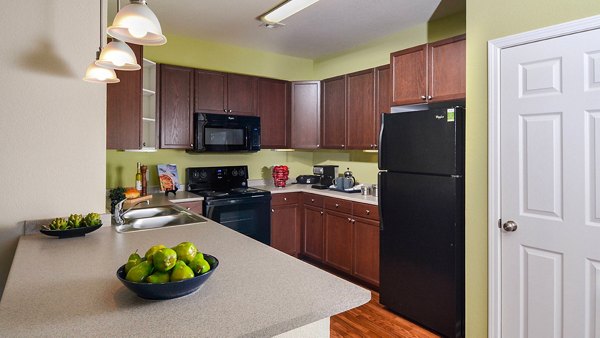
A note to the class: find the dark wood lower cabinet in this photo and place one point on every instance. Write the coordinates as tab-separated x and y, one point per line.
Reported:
338	241
366	250
285	228
313	240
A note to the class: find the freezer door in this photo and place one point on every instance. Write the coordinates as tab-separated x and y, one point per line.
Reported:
422	249
428	141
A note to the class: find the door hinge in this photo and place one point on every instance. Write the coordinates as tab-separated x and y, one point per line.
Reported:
499	223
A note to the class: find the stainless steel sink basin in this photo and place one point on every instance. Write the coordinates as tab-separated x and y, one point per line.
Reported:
149	212
157	217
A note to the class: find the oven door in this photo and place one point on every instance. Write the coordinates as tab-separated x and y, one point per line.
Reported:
247	215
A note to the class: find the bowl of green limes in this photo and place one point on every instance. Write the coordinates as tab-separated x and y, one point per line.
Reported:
166	273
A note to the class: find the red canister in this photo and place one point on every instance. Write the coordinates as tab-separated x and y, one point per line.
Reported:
280	175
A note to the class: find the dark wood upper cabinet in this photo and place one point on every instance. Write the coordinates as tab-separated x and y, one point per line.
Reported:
383	102
306	112
210	91
124	108
274	111
409	81
447	70
241	94
360	113
224	93
333	115
430	72
176	107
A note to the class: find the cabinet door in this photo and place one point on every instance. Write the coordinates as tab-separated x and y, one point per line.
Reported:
274	112
338	241
210	91
366	250
285	228
306	112
312	242
409	70
333	125
360	114
447	70
195	206
241	94
124	108
176	107
383	93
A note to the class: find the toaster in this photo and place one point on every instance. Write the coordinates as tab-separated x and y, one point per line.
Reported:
307	179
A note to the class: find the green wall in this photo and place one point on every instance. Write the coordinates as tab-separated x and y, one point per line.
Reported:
487	20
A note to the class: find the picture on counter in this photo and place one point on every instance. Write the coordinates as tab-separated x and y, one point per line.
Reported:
167	176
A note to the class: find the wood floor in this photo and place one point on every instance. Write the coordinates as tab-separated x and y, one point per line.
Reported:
373	320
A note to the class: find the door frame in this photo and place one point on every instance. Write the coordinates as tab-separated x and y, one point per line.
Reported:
495	48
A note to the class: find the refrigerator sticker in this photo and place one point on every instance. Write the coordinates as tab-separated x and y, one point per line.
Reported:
450	115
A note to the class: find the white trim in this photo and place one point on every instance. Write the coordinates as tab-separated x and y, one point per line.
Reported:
495	48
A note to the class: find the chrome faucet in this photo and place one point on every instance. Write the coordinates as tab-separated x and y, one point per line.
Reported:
119	213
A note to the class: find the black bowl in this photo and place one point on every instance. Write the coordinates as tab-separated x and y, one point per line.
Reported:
75	232
167	290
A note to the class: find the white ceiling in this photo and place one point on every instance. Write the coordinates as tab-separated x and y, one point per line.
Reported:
327	27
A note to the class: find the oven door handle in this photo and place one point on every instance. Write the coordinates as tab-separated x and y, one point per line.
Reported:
233	201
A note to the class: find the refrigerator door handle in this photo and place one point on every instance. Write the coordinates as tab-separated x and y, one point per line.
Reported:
380	179
381	145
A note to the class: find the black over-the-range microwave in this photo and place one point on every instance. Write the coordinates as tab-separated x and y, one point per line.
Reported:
225	133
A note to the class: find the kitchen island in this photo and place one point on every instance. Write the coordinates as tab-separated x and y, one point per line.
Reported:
68	287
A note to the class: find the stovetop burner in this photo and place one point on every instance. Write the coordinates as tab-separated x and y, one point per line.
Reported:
220	182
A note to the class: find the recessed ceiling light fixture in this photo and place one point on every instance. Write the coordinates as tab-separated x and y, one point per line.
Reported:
285	10
136	23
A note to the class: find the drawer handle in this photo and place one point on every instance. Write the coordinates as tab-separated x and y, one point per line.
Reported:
337	205
285	198
272	210
353	221
321	213
349	219
189	208
312	199
368	212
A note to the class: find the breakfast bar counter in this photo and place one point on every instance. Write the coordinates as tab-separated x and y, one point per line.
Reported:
69	287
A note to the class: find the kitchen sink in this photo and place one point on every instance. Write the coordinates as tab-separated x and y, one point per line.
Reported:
157	217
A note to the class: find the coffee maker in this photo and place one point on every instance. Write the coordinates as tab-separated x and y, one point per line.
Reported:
326	173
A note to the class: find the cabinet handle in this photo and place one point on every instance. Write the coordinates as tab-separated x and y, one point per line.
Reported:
353	221
312	199
337	205
318	145
429	97
423	97
272	210
368	212
321	213
349	219
189	208
343	146
285	198
191	144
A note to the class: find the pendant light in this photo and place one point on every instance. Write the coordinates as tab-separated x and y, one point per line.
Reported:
95	73
136	23
117	54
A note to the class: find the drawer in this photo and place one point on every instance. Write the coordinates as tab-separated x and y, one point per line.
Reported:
363	210
195	206
337	205
285	198
312	199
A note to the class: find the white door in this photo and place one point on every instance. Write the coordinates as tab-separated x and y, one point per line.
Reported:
550	187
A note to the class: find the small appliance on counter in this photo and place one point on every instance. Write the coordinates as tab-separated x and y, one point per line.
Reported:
327	173
308	179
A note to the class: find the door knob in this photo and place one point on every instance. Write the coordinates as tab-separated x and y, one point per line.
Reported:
509	226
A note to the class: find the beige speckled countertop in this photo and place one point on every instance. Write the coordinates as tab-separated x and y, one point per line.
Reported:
68	287
355	197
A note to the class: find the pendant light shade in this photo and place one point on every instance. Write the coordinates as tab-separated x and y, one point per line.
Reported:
118	55
95	73
136	23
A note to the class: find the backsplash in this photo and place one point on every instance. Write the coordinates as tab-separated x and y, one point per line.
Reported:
121	165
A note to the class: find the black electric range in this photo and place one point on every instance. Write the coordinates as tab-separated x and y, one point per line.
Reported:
228	200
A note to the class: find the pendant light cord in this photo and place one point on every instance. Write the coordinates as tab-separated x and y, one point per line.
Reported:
100	45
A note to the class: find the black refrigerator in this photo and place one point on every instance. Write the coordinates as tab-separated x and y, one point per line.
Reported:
421	205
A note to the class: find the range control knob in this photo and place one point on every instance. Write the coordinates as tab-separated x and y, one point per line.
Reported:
242	172
203	174
234	172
